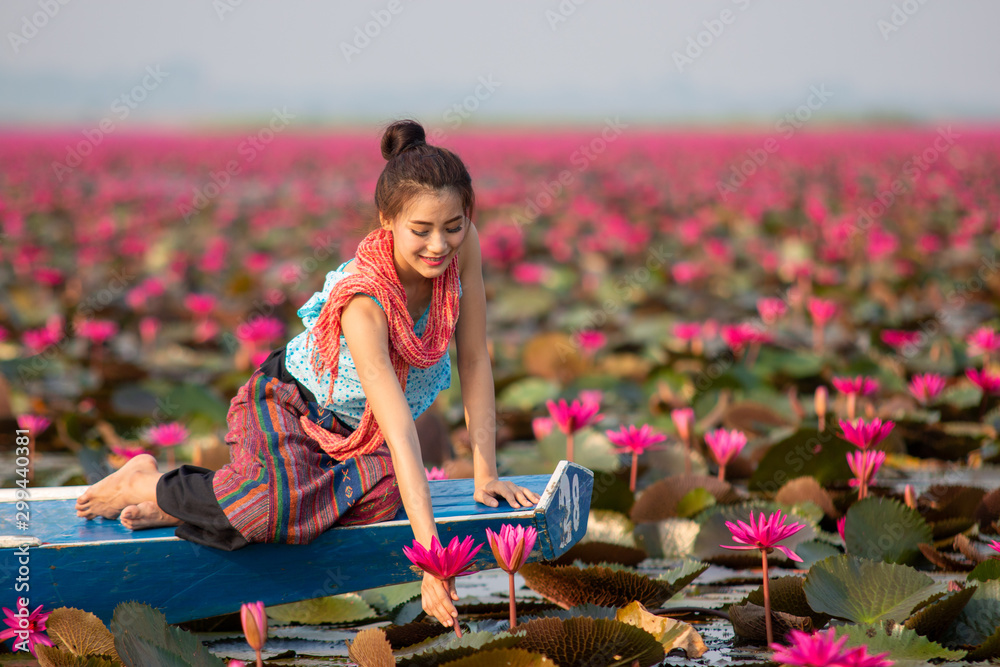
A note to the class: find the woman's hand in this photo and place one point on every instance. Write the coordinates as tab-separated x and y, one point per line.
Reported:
437	596
517	496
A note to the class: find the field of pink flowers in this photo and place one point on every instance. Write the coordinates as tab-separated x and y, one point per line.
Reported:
812	316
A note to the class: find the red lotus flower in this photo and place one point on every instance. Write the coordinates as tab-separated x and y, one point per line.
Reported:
866	435
737	336
816	649
443	562
725	445
573	417
687	330
983	341
148	328
764	534
170	434
127	452
864	464
435	473
26	629
254	621
34	423
841	525
201	305
822	310
995	545
635	441
926	386
512	545
260	331
591	341
823	649
771	309
898	338
96	331
38	340
985	380
859	385
542	427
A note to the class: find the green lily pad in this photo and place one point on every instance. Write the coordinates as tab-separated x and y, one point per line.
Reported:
978	626
788	596
901	643
387	598
934	618
988	570
346	608
671	538
865	591
527	394
143	637
796	456
694	502
813	551
886	530
684	574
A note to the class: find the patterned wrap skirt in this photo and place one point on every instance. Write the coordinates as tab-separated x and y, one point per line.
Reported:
279	486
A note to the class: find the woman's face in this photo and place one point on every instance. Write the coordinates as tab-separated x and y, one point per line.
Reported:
427	234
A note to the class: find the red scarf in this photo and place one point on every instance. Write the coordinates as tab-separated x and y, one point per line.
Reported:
377	277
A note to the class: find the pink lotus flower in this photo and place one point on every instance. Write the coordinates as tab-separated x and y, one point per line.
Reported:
737	336
822	310
527	273
683	419
866	435
49	277
897	338
985	380
96	331
725	445
983	341
148	328
573	417
542	427
926	386
511	548
995	545
687	331
258	358
444	562
860	385
591	341
864	464
127	452
254	621
29	634
170	434
201	305
771	309
819	402
435	473
34	423
841	525
260	331
810	650
823	649
39	340
764	534
635	441
591	397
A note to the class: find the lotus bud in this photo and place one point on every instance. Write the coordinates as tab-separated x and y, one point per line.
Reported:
254	621
910	497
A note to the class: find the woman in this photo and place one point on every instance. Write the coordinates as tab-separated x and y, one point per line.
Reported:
323	433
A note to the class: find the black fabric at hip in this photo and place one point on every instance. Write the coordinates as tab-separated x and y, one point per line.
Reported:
186	493
274	366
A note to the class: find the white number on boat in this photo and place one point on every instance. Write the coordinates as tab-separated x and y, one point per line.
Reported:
569	500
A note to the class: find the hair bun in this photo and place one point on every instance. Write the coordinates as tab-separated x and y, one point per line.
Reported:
400	136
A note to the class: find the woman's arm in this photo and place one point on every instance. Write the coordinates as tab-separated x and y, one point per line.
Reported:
367	334
476	374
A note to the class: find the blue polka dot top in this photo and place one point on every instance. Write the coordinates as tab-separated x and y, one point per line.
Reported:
348	403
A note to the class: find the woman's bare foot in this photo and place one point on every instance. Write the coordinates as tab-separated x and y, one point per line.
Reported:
133	483
147	515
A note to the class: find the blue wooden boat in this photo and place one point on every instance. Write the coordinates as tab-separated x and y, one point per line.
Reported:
94	565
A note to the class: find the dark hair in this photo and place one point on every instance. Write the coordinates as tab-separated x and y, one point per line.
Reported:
415	167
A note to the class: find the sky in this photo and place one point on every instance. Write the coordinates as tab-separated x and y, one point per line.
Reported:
467	63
